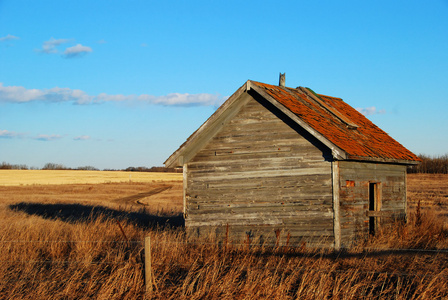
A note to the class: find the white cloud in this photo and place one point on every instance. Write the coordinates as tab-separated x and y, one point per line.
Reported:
9	37
48	137
103	97
49	46
76	51
82	138
176	99
6	134
66	95
372	110
19	94
9	134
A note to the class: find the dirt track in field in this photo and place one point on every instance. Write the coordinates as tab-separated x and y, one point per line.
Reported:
136	199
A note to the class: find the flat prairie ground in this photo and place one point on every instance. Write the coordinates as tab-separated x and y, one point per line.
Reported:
34	177
432	192
155	192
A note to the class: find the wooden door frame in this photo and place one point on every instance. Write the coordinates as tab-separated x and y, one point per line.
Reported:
374	205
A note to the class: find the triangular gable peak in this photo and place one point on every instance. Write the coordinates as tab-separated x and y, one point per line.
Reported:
207	130
344	130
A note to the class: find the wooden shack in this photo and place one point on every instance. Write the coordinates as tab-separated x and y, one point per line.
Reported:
277	162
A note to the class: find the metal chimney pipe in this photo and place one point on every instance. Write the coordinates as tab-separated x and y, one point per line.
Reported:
281	81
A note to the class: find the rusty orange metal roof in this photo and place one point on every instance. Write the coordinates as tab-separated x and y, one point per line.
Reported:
340	124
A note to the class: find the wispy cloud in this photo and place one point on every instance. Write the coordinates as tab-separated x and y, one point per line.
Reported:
82	138
6	134
76	51
9	37
48	137
49	46
103	97
19	94
176	99
372	110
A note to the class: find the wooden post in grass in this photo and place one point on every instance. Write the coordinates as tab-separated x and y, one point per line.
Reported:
148	270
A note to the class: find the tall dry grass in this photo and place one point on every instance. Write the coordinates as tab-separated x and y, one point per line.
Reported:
46	255
52	259
90	258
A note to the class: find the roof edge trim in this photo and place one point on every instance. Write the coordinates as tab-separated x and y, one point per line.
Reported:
383	160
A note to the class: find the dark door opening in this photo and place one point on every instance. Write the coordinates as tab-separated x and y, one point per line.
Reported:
374	205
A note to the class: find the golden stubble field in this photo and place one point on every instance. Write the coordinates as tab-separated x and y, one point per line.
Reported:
63	239
114	189
431	190
36	177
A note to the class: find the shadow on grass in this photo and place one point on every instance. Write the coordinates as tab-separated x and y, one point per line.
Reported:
73	213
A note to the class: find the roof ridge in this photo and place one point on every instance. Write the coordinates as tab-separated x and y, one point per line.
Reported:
311	94
327	96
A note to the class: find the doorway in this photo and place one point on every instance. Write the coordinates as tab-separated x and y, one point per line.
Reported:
374	206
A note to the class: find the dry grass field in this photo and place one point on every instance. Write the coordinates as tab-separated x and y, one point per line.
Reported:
431	190
33	177
85	240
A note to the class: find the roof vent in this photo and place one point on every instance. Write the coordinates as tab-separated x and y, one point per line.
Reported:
281	81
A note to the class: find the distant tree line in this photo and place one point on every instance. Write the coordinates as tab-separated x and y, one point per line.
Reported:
431	164
54	166
6	166
47	166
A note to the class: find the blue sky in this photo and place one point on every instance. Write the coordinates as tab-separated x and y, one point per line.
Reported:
114	84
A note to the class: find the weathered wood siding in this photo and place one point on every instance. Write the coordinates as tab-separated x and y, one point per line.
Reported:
258	174
354	195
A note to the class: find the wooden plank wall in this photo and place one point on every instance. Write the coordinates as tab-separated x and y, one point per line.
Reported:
354	195
258	175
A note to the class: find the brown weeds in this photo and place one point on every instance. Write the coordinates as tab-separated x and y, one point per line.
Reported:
47	255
